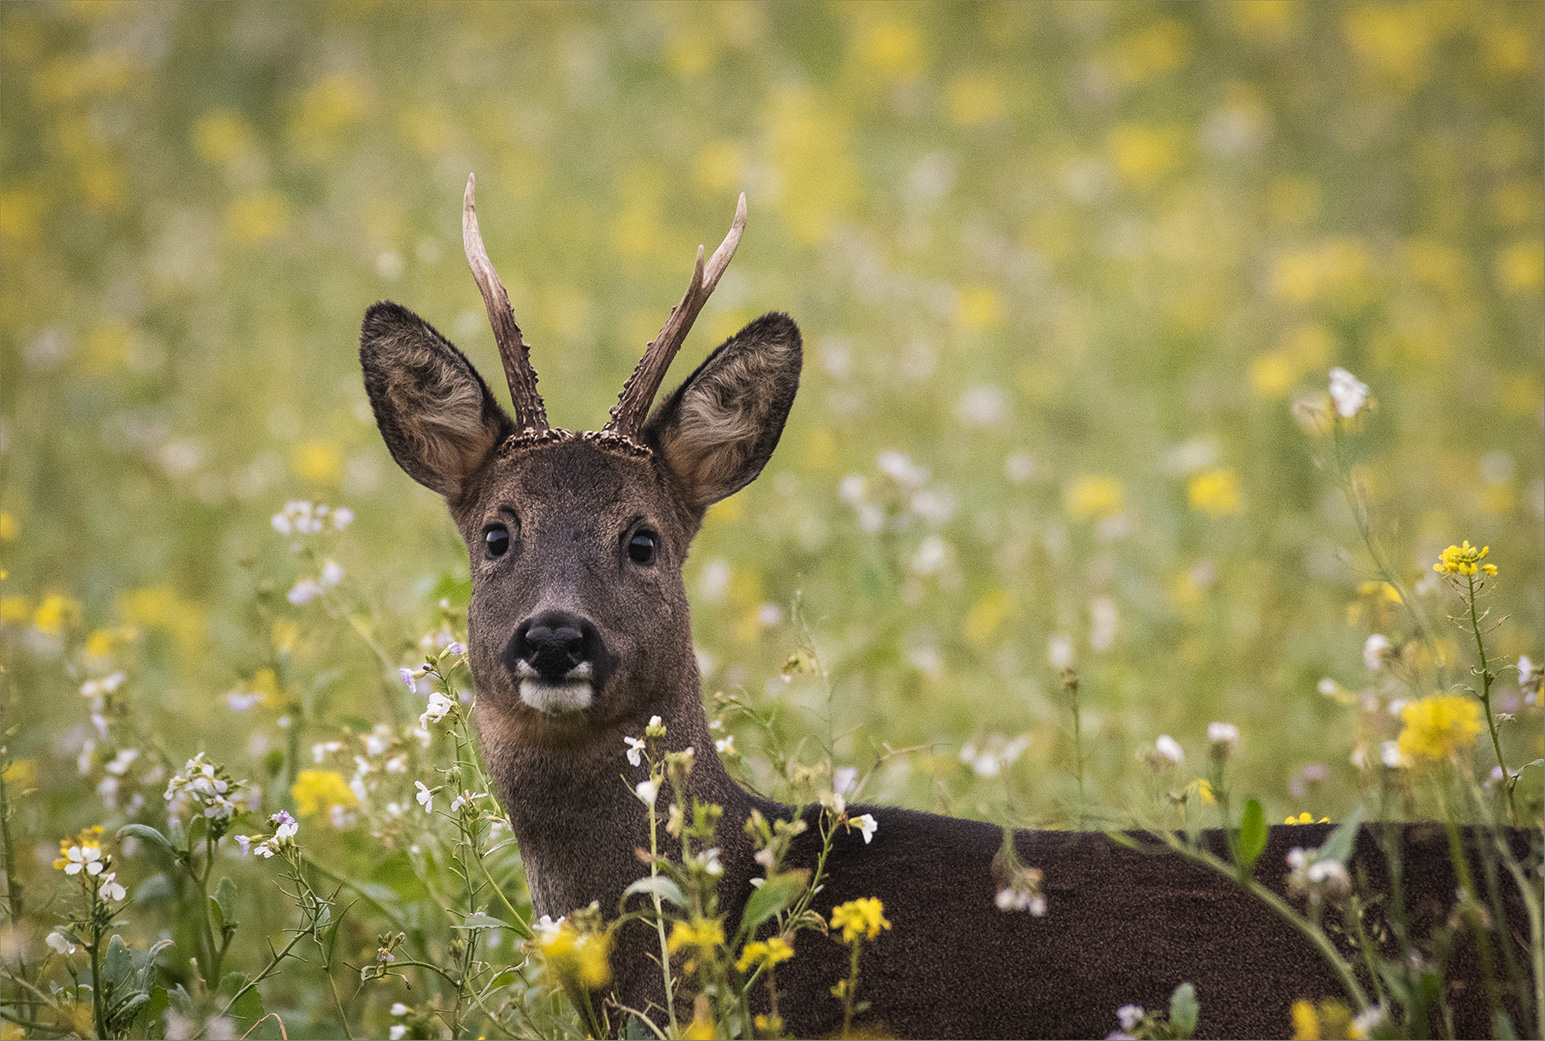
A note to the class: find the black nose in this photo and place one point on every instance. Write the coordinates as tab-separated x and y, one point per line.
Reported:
554	643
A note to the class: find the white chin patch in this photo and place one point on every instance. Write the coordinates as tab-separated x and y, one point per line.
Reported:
555	698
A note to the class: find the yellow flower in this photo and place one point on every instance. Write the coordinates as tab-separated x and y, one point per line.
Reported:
1203	790
863	917
318	790
575	956
14	609
55	610
703	933
1094	496
1439	725
1306	818
756	954
1215	493
8	527
1464	560
1329	1019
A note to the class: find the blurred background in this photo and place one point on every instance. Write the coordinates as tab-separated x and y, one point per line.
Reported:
1071	279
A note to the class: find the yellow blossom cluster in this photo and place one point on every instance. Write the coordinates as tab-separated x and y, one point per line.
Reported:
1306	818
863	917
89	839
758	954
1439	725
1329	1019
318	790
584	958
703	934
1464	560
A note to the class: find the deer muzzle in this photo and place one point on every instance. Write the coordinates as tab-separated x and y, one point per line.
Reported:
553	657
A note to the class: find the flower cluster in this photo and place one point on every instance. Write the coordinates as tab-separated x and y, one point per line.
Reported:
1319	878
302	517
206	789
763	955
864	918
575	956
83	856
285	829
1464	560
1439	725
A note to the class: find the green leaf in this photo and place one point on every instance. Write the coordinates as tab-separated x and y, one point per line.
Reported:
250	1007
148	834
660	886
1339	846
224	902
454	588
479	920
774	895
150	1020
1184	1011
117	964
1252	837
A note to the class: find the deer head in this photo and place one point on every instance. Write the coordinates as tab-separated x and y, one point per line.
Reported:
578	624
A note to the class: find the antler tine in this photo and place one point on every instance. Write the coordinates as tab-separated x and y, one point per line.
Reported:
637	394
530	413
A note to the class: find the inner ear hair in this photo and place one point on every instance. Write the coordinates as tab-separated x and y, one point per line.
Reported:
437	416
718	429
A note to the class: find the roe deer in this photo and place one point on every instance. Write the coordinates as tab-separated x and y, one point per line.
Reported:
579	633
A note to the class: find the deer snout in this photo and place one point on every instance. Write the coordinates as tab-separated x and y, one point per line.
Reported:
553	645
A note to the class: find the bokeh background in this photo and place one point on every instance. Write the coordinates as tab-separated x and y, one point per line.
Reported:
1070	276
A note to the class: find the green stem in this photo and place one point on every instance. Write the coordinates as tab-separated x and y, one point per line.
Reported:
1491	719
850	991
268	970
32	1024
1283	909
98	1013
659	919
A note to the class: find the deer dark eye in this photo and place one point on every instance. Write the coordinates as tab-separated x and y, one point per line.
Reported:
497	538
641	547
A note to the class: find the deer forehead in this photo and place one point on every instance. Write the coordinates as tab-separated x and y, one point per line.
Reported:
576	483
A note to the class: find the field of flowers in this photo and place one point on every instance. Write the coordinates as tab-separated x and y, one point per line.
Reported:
1155	355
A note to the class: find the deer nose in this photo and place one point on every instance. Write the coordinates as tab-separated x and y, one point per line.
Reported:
554	643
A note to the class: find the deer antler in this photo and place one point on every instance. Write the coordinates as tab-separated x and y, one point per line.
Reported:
637	394
530	413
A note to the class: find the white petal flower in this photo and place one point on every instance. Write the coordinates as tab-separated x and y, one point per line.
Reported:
426	798
439	705
304	591
1170	749
407	679
332	573
635	750
1129	1016
647	791
1348	392
1373	651
866	824
397	1032
725	745
1222	733
1525	670
60	942
399	1009
111	890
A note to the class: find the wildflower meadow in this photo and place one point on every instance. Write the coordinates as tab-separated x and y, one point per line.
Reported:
1169	454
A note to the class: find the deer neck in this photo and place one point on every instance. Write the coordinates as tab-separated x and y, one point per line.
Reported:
572	805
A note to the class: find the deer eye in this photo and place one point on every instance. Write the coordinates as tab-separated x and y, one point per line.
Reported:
641	547
497	538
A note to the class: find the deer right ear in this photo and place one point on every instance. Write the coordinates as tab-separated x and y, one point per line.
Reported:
436	414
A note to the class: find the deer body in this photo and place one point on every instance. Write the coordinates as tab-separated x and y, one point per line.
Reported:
579	632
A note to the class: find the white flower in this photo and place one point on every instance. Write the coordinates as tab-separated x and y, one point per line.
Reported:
397	1032
439	705
264	850
399	1009
635	750
455	647
465	799
332	573
867	825
547	927
647	791
1525	670
342	517
111	890
1373	651
844	780
725	745
426	798
87	857
1222	733
59	942
1348	392
1170	749
1391	756
282	524
245	842
407	679
304	591
1059	651
710	861
1129	1016
286	826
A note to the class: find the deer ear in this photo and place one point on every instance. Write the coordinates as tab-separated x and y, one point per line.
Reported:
717	430
436	414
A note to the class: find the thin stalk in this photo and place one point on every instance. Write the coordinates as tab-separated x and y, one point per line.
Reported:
268	970
850	991
1491	719
32	1024
98	1013
659	921
1284	910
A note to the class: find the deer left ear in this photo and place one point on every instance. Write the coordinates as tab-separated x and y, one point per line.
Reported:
717	430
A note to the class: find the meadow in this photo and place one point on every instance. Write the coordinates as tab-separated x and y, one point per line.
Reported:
1068	482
